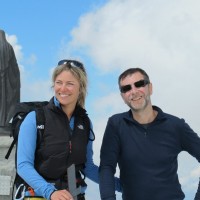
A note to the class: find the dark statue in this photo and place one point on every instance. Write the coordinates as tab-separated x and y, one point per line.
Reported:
9	83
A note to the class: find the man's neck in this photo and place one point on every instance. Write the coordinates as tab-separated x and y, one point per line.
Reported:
145	116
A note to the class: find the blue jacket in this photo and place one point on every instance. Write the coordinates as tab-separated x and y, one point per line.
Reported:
147	157
26	155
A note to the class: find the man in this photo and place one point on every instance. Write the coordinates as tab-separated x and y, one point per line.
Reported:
145	143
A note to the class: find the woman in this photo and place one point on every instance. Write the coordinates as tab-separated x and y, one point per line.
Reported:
67	139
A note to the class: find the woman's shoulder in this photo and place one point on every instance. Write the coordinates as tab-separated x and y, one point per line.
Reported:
30	118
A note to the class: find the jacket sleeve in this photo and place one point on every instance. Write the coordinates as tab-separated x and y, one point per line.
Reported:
92	170
197	196
26	155
191	143
108	161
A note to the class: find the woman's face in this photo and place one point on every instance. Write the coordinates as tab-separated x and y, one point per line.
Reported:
66	88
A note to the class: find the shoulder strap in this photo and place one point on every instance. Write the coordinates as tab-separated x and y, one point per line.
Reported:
88	123
10	148
21	110
40	124
93	135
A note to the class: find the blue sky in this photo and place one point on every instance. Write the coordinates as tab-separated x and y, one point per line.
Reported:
163	37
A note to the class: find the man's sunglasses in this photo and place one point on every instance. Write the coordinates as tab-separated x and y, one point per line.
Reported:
138	84
73	63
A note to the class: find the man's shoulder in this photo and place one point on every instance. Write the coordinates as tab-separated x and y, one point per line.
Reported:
167	115
163	114
119	116
173	119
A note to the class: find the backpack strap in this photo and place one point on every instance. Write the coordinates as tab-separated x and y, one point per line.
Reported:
88	124
10	148
17	123
40	124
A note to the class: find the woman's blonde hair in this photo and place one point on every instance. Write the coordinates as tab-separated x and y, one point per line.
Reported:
79	73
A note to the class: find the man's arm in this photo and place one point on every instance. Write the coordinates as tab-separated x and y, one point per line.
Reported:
191	143
109	158
197	196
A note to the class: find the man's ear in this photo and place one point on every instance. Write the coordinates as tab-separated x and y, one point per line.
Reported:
150	88
123	98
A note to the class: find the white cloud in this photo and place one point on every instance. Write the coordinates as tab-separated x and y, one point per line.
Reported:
32	59
31	90
39	90
111	103
158	34
12	39
161	37
189	181
196	172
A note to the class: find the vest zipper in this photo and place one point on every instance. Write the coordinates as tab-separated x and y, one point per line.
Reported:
70	146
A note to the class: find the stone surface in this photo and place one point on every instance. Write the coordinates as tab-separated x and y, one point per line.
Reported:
7	169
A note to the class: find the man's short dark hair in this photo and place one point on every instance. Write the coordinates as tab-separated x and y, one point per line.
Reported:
132	71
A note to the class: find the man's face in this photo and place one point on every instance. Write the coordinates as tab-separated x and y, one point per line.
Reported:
137	98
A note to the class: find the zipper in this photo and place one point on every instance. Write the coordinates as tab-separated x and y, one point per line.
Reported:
70	146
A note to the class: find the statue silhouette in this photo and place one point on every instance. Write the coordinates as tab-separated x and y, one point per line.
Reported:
9	82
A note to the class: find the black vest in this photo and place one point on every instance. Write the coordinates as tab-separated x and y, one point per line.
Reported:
60	146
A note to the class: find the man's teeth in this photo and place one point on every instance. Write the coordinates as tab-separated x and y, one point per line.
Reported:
135	99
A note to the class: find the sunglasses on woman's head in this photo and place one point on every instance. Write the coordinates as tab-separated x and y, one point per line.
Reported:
73	63
138	84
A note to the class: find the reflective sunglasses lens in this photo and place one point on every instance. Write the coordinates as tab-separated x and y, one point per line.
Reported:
62	62
76	64
125	88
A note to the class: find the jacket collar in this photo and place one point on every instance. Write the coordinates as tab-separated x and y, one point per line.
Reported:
161	115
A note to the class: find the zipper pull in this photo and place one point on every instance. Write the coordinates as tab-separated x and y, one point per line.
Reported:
70	146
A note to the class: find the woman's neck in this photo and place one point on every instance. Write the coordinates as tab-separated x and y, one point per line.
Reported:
68	110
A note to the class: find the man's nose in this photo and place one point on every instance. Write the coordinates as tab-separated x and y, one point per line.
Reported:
133	88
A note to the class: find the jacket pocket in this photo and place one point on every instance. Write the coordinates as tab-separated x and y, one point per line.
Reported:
54	167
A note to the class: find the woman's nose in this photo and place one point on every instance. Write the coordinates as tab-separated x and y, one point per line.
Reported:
63	87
